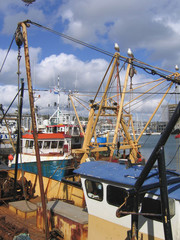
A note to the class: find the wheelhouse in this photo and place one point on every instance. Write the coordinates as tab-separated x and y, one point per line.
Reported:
55	143
106	187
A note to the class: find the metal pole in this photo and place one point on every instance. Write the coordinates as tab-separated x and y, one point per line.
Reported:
19	135
135	218
31	100
164	196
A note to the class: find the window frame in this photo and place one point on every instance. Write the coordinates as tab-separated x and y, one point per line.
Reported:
99	196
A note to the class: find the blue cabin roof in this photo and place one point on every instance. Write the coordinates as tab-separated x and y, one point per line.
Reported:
120	175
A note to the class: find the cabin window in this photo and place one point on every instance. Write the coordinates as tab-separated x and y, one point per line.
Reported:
55	130
40	144
54	144
94	190
27	144
115	196
76	140
31	143
70	130
75	130
46	144
151	206
62	129
118	197
60	145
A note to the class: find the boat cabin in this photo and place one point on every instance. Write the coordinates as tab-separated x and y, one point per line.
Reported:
68	129
48	143
106	185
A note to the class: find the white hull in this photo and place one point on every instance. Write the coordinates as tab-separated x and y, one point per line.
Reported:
30	158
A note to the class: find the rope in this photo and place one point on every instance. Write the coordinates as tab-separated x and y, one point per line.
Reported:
119	208
7	52
135	62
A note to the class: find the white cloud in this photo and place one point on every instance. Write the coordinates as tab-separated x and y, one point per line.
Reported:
9	71
139	26
146	27
70	68
74	73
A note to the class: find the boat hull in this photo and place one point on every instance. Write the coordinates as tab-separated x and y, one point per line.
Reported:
56	169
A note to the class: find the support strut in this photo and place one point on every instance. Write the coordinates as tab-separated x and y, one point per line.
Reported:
164	196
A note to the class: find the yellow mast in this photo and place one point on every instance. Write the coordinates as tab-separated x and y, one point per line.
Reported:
155	111
120	109
101	108
91	123
79	122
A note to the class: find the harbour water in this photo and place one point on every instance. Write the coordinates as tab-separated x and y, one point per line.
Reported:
172	147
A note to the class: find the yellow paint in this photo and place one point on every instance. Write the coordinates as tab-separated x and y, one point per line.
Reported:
12	209
23	214
103	230
55	189
26	214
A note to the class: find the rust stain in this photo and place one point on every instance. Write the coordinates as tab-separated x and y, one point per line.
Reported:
71	229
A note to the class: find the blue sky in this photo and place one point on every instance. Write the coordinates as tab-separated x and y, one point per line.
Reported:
149	28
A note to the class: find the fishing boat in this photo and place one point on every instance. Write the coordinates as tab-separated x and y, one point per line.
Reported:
8	135
55	141
55	152
55	146
118	201
114	196
106	188
147	198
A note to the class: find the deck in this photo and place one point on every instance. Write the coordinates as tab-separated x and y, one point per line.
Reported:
23	216
10	223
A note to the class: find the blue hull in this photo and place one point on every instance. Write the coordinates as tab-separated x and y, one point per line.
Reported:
54	169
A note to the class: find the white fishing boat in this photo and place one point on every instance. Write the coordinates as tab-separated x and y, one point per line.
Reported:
55	151
131	201
55	141
106	188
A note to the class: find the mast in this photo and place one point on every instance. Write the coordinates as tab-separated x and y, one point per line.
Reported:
57	114
35	135
19	135
58	104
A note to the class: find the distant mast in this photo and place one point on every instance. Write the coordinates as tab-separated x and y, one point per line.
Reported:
58	103
55	118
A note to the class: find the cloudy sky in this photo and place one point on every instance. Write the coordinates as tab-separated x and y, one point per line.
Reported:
149	28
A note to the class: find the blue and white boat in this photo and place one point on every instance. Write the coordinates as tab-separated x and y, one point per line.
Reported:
55	148
55	153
